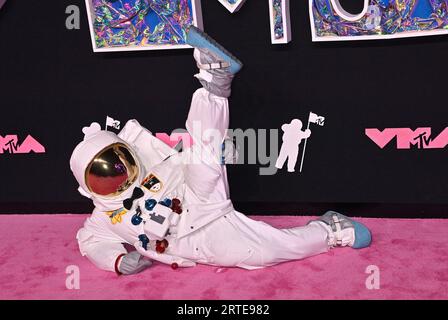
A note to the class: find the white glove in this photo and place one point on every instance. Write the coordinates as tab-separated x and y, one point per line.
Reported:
133	263
163	257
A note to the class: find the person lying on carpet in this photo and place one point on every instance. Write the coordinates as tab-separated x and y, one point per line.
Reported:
174	207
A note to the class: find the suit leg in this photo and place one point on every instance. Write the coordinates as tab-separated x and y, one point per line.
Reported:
272	246
207	123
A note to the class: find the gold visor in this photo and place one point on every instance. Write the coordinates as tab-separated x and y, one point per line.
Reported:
111	171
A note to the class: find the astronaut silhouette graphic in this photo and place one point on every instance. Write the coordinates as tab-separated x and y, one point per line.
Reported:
292	137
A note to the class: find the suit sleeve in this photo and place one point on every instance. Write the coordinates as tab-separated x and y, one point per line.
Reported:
102	253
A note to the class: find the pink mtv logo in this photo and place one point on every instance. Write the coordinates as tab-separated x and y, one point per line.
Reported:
406	138
10	144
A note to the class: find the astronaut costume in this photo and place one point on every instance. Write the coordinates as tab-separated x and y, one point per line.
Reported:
174	207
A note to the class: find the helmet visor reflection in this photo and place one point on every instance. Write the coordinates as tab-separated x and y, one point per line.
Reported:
112	171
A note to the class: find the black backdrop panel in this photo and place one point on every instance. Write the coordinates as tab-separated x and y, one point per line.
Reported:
52	84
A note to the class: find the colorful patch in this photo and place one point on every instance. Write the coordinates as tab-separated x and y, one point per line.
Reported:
116	215
152	183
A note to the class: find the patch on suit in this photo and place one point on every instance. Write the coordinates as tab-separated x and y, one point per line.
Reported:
116	215
152	183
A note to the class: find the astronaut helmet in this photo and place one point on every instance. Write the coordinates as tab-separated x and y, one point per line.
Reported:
104	165
111	171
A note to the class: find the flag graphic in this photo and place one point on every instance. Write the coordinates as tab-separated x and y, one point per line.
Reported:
314	118
111	122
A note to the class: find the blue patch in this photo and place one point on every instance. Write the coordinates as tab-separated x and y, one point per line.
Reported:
144	240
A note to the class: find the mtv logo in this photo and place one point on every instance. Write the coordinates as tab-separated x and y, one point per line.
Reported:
407	138
10	144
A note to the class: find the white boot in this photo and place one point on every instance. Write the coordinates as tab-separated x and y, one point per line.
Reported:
343	231
214	73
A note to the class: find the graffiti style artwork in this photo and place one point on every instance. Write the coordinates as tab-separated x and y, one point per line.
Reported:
379	19
280	21
126	25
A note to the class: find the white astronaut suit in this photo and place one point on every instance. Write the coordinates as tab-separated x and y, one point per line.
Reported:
209	230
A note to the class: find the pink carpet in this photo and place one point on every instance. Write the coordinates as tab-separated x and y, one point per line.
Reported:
412	256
